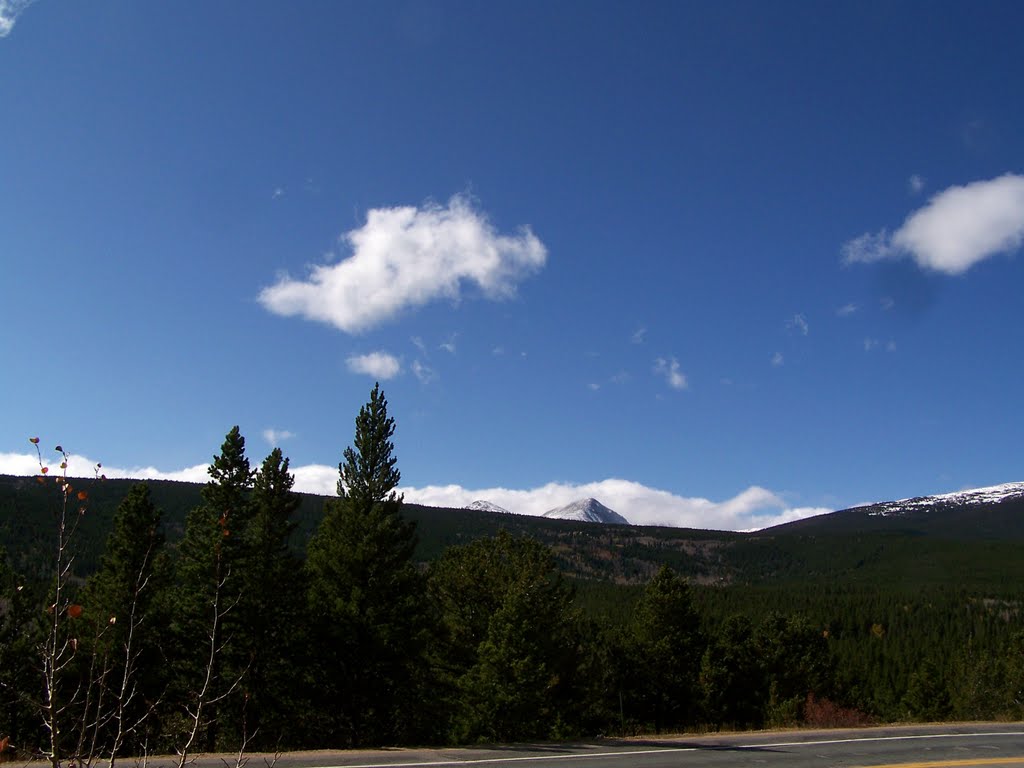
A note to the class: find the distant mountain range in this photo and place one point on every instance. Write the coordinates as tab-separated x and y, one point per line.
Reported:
970	538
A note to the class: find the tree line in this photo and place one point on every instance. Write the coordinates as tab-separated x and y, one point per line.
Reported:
237	642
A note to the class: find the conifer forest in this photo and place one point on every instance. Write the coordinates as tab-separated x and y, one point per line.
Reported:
259	620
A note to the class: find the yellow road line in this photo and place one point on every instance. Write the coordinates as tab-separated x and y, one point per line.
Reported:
954	763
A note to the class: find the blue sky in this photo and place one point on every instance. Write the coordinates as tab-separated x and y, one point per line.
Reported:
716	264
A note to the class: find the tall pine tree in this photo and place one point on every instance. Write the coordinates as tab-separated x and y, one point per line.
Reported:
212	559
271	610
365	594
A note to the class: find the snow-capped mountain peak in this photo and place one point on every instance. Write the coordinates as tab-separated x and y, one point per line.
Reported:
587	511
482	505
975	496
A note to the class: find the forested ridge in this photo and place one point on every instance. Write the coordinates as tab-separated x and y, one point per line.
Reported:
238	616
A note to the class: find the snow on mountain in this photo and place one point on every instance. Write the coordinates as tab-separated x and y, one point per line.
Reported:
587	511
482	505
976	496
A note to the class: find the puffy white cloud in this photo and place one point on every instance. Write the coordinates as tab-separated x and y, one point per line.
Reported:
9	12
751	509
847	309
799	324
778	360
316	478
380	365
915	183
406	257
669	368
956	229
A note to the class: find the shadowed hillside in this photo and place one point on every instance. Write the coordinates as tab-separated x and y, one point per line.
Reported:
969	545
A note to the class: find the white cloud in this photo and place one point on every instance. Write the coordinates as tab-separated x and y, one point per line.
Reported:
915	183
423	372
83	466
753	508
669	368
778	360
872	344
799	324
380	365
638	336
407	257
276	436
449	346
9	12
316	478
847	309
955	230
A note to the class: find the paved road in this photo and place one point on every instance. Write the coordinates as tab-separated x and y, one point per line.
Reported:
961	746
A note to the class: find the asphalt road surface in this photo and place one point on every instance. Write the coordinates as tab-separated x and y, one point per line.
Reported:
956	746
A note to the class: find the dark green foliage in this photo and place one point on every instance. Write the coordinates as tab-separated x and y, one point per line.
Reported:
509	631
667	647
796	661
19	721
368	473
270	611
122	627
731	676
366	597
927	697
208	654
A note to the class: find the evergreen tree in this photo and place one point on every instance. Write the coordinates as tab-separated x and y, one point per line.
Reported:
927	698
668	646
18	718
122	614
365	594
509	629
731	676
270	609
209	578
796	661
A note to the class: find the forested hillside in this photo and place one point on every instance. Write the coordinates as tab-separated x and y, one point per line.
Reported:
240	615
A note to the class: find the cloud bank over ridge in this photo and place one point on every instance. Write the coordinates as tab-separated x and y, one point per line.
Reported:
753	508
